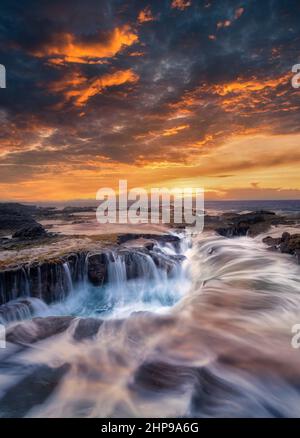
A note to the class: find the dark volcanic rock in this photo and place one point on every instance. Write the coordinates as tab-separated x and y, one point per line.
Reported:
32	390
72	210
47	280
15	216
16	311
97	268
38	329
28	332
137	262
30	232
233	231
161	238
50	280
287	244
86	328
272	241
161	376
247	224
166	263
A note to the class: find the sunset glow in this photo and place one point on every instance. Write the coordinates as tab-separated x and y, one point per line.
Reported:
184	93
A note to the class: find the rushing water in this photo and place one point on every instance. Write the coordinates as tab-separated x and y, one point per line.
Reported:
212	340
153	290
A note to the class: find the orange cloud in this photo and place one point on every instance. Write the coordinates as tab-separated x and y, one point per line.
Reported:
151	135
137	54
240	96
78	88
180	4
255	94
145	15
249	86
175	130
72	49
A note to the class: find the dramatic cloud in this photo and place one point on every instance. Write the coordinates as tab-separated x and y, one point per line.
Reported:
175	130
79	89
181	4
172	92
145	15
75	49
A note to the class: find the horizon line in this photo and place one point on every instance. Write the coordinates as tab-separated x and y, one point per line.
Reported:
10	201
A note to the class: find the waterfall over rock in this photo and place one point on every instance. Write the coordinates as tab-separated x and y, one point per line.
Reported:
53	281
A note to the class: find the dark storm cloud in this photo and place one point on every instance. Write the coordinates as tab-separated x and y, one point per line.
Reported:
142	81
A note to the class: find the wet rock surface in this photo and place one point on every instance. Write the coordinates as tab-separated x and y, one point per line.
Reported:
98	268
16	310
15	216
132	258
286	244
249	224
52	280
32	390
26	333
47	281
158	377
86	328
29	332
160	238
30	232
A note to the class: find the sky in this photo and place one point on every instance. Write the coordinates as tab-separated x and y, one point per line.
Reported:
163	93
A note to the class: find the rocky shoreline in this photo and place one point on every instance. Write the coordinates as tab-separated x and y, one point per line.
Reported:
38	264
51	280
286	244
248	224
40	268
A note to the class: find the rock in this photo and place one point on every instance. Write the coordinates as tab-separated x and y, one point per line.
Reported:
47	280
162	376
249	224
37	329
149	245
87	328
32	390
137	262
16	311
272	248
271	241
160	238
71	210
168	263
133	259
13	217
233	231
97	268
285	236
265	212
30	232
290	244
211	390
287	244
